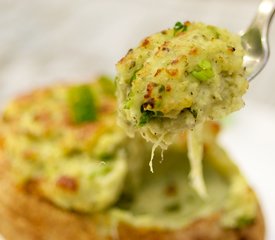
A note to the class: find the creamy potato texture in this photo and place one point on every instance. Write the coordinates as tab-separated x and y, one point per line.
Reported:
166	199
178	78
63	142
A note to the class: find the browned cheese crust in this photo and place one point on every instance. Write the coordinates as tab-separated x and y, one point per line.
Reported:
25	217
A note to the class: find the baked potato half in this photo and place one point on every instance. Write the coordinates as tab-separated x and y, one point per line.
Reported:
106	190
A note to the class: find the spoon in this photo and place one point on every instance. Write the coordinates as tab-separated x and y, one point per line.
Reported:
255	40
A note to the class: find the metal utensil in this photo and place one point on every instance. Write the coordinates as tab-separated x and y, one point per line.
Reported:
255	39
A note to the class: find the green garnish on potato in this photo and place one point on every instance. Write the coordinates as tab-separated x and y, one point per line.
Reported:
179	27
204	71
82	104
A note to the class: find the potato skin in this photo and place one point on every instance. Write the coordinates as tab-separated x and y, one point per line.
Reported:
27	217
204	229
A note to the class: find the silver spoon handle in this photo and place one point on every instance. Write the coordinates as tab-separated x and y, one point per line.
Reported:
255	39
263	17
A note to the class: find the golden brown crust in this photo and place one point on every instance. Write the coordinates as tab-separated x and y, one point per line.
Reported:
205	229
29	218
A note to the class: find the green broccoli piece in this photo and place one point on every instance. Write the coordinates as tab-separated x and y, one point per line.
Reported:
82	104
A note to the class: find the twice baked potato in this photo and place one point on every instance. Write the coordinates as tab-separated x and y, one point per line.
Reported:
66	174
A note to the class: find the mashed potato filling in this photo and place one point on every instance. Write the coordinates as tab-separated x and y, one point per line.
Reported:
177	79
165	199
63	143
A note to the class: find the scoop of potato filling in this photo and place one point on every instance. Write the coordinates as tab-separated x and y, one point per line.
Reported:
178	78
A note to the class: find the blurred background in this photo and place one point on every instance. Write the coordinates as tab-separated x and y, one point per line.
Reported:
42	41
46	41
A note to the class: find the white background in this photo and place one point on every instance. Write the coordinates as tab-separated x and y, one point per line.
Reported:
59	40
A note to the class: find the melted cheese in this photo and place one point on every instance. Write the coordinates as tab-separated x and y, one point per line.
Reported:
195	155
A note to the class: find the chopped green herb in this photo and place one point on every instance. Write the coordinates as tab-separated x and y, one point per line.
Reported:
82	104
205	64
179	27
203	71
202	75
134	76
128	102
107	85
161	88
146	117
